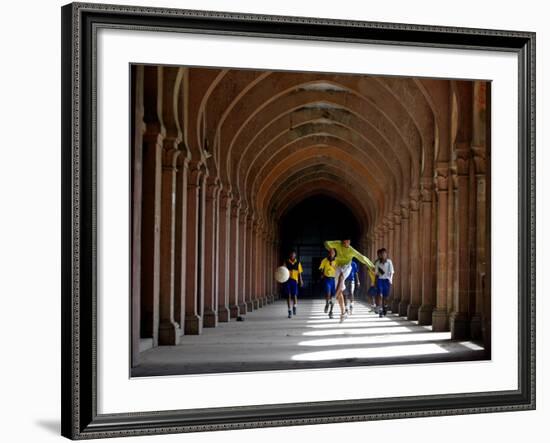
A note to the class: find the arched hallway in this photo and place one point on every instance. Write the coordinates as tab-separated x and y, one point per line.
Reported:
223	158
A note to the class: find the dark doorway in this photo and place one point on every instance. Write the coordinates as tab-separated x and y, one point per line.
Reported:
306	226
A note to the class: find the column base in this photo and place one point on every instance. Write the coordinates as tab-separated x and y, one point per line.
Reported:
223	314
395	306
210	318
412	312
460	326
486	333
256	303
169	334
193	324
249	306
402	309
440	320
475	327
243	309
234	311
425	315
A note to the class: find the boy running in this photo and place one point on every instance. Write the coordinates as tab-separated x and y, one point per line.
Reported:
328	267
290	287
344	255
372	292
384	277
352	282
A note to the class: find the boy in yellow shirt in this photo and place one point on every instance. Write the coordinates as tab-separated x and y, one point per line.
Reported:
328	267
344	255
291	286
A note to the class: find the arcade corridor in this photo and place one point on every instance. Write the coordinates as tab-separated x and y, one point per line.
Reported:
233	168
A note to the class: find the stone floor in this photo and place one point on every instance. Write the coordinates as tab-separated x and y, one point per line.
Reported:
268	340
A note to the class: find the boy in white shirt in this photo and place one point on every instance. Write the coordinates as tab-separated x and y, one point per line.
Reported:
384	276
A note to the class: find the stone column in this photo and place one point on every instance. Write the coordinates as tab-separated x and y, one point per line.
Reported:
405	260
150	233
459	321
375	241
234	259
256	268
270	280
397	258
138	129
223	256
210	315
263	266
268	267
385	233
242	261
181	252
428	303
414	256
249	269
440	316
168	330
193	317
476	329
278	261
452	253
390	247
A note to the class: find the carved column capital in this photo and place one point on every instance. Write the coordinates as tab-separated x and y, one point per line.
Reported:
243	212
182	161
442	177
250	217
397	216
463	154
225	199
414	199
427	188
454	177
389	221
154	133
480	159
404	209
170	158
256	225
212	188
235	208
196	174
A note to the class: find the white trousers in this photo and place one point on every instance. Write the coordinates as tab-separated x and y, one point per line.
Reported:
345	271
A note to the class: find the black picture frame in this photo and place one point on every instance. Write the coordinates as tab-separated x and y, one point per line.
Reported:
79	172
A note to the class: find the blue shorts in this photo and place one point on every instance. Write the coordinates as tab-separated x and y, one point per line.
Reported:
383	287
373	291
329	284
291	287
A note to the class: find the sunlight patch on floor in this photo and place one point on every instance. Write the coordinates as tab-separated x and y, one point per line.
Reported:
470	345
356	324
358	331
403	338
389	351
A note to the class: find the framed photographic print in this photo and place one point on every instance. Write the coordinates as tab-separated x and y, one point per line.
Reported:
257	208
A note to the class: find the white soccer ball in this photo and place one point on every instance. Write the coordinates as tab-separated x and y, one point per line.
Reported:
282	274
